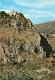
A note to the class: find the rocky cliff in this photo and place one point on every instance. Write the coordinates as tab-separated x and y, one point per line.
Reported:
18	39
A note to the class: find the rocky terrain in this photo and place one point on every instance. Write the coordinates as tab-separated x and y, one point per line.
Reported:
18	36
48	31
23	50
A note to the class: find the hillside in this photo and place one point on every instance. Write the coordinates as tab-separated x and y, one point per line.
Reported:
47	30
24	53
48	27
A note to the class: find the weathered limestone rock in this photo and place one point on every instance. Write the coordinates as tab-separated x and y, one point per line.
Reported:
17	36
16	44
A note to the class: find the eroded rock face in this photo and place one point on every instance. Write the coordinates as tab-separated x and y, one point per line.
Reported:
17	37
13	45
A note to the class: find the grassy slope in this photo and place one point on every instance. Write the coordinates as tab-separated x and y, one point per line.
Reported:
28	69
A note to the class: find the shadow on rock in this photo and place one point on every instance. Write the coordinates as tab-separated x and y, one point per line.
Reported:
46	46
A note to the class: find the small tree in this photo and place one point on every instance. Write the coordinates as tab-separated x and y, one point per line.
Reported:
3	13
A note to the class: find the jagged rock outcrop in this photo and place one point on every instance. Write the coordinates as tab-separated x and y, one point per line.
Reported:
18	37
13	45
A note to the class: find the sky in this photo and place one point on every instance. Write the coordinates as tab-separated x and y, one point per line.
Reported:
38	11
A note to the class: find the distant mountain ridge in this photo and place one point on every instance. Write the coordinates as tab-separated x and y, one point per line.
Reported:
47	27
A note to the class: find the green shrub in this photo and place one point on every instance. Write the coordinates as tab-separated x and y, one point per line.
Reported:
3	13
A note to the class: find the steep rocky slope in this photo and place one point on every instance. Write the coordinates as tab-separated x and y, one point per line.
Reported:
18	38
22	51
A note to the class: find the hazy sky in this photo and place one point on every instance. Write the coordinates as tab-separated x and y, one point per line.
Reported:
38	11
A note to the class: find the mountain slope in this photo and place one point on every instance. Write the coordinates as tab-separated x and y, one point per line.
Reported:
23	51
48	27
18	37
